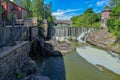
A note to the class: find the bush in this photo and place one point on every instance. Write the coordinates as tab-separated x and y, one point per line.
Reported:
114	27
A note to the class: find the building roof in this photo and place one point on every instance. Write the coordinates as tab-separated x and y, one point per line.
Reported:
107	10
18	5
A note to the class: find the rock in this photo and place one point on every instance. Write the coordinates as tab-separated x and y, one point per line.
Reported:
103	39
51	32
48	46
41	33
36	77
28	68
40	42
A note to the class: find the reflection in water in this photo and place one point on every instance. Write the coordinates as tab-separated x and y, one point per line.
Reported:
54	68
100	57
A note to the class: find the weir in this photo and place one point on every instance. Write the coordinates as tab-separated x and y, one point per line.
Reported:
66	32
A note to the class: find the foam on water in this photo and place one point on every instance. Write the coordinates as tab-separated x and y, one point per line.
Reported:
100	57
82	35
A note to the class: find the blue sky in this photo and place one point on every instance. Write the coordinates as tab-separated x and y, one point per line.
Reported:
65	9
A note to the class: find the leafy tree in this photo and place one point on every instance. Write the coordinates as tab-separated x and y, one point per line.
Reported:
89	10
18	2
88	19
116	11
38	10
27	4
114	22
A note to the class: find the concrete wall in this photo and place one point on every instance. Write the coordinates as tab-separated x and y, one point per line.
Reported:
10	34
63	33
11	59
4	36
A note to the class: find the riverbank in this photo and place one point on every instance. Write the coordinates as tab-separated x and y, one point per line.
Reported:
103	39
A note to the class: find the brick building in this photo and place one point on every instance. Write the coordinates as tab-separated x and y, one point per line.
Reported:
105	16
12	11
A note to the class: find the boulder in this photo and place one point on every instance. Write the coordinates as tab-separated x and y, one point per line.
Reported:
28	68
48	46
51	32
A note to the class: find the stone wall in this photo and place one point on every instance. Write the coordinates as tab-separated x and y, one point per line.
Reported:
11	59
10	34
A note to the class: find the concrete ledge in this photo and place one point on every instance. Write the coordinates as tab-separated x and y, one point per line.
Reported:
4	53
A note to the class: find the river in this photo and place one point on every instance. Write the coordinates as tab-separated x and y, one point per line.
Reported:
84	63
89	63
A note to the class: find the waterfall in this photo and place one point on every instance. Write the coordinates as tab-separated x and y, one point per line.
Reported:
66	32
82	37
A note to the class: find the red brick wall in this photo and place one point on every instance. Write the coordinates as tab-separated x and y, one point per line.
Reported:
4	14
106	15
12	8
15	10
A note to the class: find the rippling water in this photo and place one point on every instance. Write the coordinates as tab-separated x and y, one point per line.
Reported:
86	63
100	57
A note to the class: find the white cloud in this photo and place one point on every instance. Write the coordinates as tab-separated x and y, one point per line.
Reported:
65	14
60	12
102	2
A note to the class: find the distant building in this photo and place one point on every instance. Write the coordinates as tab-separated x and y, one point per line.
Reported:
13	11
105	16
62	22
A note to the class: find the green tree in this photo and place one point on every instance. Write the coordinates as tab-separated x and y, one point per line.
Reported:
116	11
48	15
88	19
27	4
114	22
38	9
18	2
89	10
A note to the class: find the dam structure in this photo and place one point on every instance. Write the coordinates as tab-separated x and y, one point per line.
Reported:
66	32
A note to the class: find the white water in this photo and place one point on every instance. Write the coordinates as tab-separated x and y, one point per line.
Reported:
82	35
100	57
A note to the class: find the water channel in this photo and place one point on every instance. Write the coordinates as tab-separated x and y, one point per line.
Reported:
84	63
